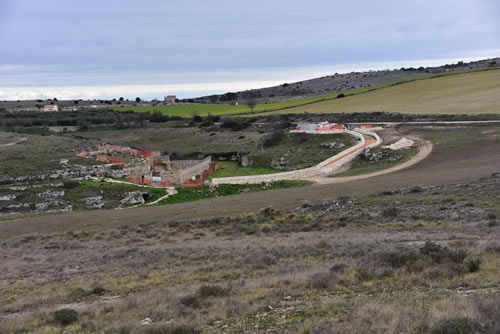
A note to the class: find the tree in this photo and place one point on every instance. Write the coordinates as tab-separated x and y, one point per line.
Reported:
251	104
137	99
120	99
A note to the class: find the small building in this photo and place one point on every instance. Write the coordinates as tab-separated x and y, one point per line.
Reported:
170	99
323	126
51	107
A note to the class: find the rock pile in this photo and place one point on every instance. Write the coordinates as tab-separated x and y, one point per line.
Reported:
402	144
386	155
332	145
280	163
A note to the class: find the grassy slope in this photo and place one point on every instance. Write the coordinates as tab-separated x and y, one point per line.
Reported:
284	107
360	166
353	265
465	93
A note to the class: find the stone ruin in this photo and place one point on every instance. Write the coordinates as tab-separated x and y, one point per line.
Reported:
152	168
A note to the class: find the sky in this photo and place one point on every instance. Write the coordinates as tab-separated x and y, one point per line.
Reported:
106	49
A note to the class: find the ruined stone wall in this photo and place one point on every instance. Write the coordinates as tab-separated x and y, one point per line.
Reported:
191	171
128	151
181	164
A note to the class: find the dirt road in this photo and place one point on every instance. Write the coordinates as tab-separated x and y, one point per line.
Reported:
424	150
369	140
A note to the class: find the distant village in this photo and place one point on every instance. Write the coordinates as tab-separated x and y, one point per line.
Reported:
55	105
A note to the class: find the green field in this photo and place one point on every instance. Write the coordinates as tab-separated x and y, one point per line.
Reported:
191	194
317	103
231	168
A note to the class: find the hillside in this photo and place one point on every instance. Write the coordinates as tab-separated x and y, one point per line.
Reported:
337	82
464	93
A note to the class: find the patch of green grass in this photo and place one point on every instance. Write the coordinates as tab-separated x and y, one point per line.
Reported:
154	193
190	194
362	166
231	168
221	109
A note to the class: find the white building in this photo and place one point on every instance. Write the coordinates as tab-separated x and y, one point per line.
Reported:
51	107
170	99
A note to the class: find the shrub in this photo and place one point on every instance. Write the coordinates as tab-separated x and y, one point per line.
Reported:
416	189
338	268
197	119
459	325
273	138
391	212
473	264
98	290
235	307
190	301
321	281
447	270
235	124
440	254
65	316
71	184
169	329
206	291
261	262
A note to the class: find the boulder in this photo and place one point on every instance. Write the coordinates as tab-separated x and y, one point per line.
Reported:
134	198
246	161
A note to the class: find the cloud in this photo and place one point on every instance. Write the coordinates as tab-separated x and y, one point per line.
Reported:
114	43
205	83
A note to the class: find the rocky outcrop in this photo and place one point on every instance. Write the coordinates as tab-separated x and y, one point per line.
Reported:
134	198
280	163
246	161
368	155
332	145
95	202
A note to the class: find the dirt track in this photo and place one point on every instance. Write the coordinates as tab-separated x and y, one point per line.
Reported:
459	155
424	150
369	140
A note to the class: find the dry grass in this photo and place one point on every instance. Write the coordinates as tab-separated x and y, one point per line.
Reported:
340	264
458	94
